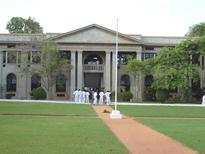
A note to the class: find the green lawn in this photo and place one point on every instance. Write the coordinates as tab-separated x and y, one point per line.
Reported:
190	132
162	111
45	108
22	134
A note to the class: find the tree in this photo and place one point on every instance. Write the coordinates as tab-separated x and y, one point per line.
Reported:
135	68
51	65
16	25
173	68
21	25
197	30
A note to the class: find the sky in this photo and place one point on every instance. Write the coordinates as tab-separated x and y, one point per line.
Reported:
145	17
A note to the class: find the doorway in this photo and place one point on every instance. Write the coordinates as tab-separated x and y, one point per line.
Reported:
93	80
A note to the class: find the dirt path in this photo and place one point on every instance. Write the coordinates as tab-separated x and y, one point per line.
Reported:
140	139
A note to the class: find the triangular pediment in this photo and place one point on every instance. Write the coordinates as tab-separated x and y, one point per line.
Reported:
94	34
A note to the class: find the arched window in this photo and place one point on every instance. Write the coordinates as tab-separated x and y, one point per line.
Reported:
125	81
11	83
60	83
93	59
35	81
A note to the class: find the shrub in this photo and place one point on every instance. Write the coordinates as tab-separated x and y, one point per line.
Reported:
119	98
149	94
126	96
162	95
39	93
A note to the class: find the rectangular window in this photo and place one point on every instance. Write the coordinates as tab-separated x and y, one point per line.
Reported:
4	57
36	57
148	55
19	57
64	54
11	57
149	48
123	57
11	45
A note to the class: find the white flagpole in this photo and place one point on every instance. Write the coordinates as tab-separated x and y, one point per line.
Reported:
116	63
115	114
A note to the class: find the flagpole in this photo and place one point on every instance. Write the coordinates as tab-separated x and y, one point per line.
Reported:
116	63
115	114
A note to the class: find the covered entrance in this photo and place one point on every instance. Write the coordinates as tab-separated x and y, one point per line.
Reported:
93	80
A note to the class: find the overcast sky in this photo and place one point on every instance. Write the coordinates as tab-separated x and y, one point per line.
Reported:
145	17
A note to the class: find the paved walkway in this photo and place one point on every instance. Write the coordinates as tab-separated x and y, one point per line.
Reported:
140	139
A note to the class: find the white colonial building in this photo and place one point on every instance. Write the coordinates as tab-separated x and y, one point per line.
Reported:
91	51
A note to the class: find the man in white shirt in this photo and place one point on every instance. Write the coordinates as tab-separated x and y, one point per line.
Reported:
75	95
203	100
101	97
87	97
79	95
82	96
95	97
107	97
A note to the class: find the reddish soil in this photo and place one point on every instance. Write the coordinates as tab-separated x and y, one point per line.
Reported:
140	139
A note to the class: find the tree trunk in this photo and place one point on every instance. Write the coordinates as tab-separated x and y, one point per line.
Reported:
135	89
49	94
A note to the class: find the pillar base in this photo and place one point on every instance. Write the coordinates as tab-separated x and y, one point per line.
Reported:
115	114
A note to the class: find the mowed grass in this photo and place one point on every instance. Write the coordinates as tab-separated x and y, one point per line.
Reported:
45	108
163	111
37	134
185	124
190	132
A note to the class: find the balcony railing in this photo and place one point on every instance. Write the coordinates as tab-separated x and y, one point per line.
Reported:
93	68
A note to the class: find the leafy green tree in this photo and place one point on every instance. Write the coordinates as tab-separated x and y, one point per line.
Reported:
135	68
172	68
197	30
51	65
16	25
21	25
31	26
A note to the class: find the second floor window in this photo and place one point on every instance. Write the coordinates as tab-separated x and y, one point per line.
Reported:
11	57
147	55
35	57
123	57
64	55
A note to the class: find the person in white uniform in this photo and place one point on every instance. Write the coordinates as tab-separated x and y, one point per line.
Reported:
95	97
107	97
82	96
79	95
203	100
101	97
75	95
87	97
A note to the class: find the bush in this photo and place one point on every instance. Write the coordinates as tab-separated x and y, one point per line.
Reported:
162	95
39	93
119	98
126	96
149	94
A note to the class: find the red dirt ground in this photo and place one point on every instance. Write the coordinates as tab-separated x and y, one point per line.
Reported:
140	139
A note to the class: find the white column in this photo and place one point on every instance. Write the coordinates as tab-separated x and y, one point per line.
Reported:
72	73
80	70
113	70
107	71
1	73
140	85
139	55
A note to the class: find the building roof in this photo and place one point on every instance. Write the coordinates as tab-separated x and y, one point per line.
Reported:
93	34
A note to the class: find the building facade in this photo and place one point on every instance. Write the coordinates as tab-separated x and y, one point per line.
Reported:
91	52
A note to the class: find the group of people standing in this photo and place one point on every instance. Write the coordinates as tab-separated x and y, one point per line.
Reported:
85	96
